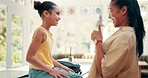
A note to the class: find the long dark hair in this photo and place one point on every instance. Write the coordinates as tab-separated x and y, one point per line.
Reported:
135	21
46	5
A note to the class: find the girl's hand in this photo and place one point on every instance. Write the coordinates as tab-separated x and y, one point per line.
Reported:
68	69
57	74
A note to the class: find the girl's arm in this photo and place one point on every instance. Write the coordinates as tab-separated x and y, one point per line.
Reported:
40	37
56	63
36	41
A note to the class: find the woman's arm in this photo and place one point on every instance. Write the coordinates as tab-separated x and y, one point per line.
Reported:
97	37
99	56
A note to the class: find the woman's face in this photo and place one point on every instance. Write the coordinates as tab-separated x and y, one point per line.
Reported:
54	17
115	15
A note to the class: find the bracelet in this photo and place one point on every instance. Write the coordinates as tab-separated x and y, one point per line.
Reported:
97	41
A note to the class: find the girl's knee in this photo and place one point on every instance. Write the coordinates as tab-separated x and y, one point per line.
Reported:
74	75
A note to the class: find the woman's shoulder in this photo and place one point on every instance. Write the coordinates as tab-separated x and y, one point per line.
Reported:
126	37
126	31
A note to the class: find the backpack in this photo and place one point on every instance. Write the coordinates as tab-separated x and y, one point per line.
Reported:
75	67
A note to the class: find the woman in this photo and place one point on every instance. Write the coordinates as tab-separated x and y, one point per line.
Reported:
42	64
117	57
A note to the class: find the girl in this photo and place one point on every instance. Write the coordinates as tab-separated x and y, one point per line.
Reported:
42	64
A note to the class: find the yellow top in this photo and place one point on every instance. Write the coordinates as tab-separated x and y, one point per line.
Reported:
120	59
44	51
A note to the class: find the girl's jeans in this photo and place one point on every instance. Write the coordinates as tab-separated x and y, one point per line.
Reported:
34	73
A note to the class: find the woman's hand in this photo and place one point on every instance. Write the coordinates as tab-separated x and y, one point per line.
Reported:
94	35
97	34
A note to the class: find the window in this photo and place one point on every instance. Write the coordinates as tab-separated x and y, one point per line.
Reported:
22	2
16	41
2	36
144	13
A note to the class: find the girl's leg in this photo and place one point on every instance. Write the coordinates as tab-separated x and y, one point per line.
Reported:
70	74
33	73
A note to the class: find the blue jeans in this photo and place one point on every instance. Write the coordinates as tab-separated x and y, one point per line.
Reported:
34	73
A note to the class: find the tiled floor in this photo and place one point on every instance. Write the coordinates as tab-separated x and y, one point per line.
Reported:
16	72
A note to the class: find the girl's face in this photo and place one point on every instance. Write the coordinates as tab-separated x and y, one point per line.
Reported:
53	17
115	15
